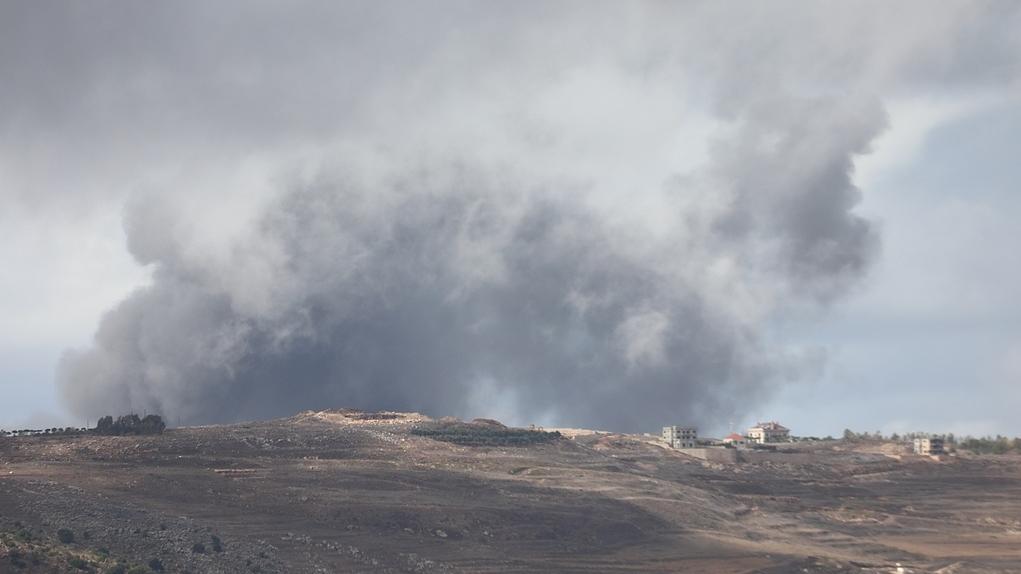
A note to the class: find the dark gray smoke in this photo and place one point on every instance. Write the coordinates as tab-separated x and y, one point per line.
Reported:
454	289
477	211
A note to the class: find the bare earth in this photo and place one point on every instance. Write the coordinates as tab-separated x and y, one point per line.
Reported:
340	491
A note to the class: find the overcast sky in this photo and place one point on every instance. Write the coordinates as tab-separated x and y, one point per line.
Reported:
603	214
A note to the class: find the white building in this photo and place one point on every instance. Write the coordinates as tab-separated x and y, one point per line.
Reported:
769	432
928	446
680	437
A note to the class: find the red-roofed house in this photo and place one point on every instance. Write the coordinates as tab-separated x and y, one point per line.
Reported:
734	438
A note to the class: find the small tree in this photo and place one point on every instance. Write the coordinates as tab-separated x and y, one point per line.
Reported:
105	425
152	424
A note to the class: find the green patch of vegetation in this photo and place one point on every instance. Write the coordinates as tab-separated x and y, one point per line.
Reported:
990	445
480	435
65	535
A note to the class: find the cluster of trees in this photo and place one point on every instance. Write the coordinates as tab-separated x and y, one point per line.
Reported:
130	425
124	425
979	445
990	445
479	435
850	435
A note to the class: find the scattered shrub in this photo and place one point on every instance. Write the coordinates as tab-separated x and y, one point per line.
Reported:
65	536
156	565
217	545
118	569
198	548
78	563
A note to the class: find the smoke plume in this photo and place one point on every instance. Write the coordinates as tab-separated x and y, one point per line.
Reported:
502	215
449	287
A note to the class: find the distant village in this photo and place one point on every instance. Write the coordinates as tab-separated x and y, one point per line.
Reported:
767	435
754	442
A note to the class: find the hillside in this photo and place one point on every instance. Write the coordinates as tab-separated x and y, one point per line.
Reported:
347	491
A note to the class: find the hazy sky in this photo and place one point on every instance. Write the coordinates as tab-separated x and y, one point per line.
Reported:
610	214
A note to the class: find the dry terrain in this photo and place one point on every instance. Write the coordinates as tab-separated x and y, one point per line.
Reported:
344	491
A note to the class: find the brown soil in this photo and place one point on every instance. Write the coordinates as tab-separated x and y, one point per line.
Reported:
345	491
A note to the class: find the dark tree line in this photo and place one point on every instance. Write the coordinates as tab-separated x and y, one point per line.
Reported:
56	431
990	445
130	425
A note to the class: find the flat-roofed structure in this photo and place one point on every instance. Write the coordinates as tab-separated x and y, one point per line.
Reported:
929	446
680	437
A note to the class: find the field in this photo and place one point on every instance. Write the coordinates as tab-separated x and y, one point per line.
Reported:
345	491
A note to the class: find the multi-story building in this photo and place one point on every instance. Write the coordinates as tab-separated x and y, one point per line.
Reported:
680	437
929	446
769	432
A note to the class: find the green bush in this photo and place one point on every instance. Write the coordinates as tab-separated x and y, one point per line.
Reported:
65	535
198	548
78	563
156	565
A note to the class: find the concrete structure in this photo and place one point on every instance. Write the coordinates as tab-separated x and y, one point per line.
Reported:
929	446
680	437
734	439
772	431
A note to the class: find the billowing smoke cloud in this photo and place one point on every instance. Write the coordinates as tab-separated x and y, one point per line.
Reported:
513	223
451	288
